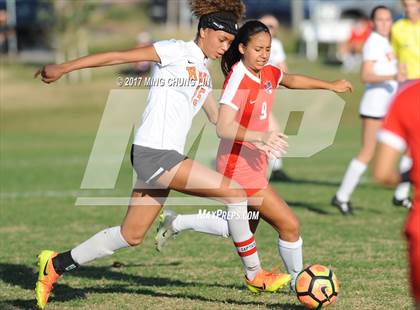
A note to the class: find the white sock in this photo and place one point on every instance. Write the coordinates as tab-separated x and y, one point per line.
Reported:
403	189
291	254
275	164
104	243
351	179
243	238
211	224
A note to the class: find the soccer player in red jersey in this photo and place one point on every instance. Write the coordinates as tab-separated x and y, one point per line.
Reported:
243	125
401	131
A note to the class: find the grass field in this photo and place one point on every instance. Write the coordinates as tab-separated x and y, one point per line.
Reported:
47	132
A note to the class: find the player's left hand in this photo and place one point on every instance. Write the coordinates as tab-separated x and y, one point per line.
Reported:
50	73
341	86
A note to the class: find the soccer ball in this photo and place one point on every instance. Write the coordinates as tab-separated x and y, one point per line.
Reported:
317	287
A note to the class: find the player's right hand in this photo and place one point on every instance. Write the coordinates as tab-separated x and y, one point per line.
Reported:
50	73
275	140
270	152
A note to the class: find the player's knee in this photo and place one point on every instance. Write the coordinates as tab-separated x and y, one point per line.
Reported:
132	239
235	196
233	193
295	228
290	231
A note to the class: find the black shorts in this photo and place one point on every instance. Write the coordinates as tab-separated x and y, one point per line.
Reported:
371	117
150	163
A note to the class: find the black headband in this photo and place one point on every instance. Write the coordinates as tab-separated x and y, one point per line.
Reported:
223	21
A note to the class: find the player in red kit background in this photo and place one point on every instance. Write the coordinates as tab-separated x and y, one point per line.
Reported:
401	131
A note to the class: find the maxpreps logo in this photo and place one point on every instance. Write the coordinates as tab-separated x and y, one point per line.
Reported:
120	118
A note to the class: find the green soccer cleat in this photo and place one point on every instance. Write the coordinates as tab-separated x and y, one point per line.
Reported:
265	281
165	230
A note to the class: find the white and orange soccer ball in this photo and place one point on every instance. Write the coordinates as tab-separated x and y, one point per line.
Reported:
317	287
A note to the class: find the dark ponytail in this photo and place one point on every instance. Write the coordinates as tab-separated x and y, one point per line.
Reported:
232	55
377	8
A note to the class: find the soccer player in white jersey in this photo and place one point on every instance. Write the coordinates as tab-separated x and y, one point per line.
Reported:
245	108
278	59
381	76
157	152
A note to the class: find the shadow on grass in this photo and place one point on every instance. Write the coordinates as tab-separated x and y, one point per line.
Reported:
287	306
309	182
309	206
24	277
65	293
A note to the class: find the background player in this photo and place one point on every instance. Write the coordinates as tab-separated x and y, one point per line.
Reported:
405	38
380	74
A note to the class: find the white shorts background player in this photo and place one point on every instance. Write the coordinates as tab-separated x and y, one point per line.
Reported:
158	146
380	75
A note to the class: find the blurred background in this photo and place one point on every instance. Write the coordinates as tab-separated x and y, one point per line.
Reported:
43	31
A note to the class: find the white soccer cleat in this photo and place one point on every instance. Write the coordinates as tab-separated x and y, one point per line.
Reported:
165	230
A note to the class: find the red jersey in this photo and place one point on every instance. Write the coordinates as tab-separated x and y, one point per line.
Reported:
252	98
401	128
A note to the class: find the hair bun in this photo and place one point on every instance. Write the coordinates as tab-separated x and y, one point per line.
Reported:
204	7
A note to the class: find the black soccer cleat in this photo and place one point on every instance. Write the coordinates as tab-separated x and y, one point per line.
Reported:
344	207
280	176
404	203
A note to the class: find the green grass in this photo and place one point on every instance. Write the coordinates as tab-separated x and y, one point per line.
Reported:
47	132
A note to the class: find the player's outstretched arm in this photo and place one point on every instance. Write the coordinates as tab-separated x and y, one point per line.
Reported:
51	73
367	74
297	81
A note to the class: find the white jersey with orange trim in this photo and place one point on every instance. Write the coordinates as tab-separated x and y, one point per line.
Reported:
180	84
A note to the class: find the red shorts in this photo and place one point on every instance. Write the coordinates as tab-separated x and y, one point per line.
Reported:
246	166
412	232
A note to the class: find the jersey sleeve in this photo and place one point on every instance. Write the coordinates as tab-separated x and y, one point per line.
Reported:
393	131
370	51
234	95
277	74
168	51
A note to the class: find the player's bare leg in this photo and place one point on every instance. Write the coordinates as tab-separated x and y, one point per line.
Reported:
144	207
193	178
370	129
275	211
